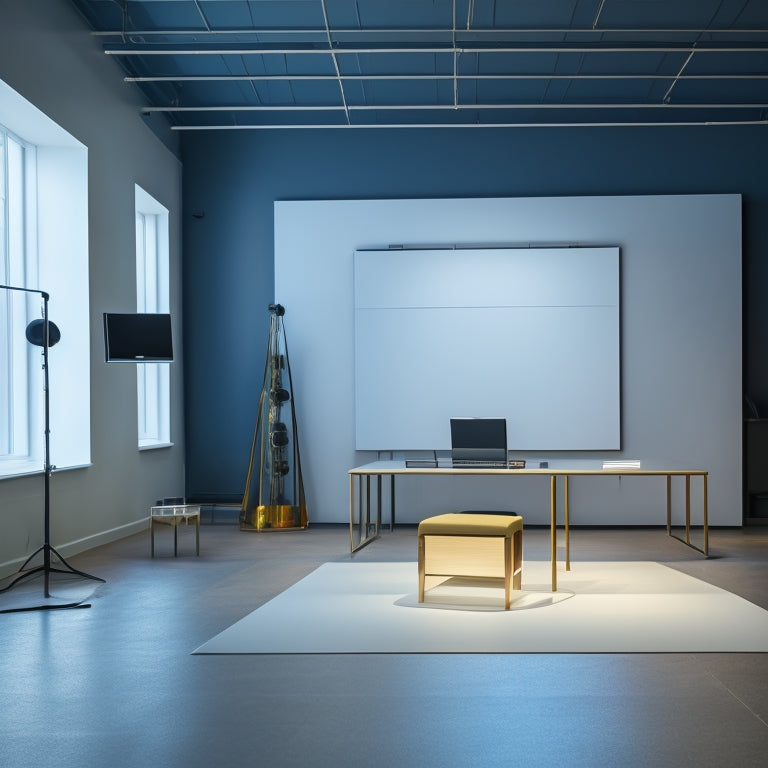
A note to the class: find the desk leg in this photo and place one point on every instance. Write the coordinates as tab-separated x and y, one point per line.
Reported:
175	540
197	535
367	505
391	502
378	503
351	513
553	527
705	513
360	512
567	525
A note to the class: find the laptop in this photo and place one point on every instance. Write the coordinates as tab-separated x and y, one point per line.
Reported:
479	443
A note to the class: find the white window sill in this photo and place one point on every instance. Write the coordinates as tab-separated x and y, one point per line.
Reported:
152	446
27	469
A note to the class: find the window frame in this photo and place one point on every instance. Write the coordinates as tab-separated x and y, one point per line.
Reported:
53	196
21	445
153	386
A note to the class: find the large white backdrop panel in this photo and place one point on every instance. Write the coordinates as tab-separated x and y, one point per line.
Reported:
680	342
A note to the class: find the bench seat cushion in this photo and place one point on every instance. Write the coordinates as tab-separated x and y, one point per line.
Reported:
457	524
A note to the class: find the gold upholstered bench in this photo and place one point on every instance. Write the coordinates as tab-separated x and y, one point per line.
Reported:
469	544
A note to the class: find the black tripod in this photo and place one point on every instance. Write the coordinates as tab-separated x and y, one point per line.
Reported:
45	334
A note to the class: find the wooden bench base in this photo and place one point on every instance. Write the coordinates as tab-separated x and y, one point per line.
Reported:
483	546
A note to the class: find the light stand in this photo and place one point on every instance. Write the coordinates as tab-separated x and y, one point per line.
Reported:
45	334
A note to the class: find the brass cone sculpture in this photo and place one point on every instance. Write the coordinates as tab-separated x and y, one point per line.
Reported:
276	500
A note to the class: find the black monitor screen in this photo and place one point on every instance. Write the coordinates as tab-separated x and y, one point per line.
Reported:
137	338
479	439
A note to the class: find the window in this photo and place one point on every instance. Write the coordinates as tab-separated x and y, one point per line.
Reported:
152	295
43	246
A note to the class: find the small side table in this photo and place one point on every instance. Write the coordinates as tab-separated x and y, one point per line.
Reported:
175	515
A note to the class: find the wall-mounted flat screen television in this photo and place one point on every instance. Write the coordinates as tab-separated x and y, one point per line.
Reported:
137	338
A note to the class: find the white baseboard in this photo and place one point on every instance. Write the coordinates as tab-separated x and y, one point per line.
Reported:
81	545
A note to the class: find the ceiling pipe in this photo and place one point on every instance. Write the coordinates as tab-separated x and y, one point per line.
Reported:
425	107
545	49
668	94
474	125
440	31
267	78
335	61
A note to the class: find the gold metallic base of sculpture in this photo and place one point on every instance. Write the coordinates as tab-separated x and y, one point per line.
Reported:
274	517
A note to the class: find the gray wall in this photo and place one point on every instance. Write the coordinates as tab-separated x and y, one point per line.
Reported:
49	57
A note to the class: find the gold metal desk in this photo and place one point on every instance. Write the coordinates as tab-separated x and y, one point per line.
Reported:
370	529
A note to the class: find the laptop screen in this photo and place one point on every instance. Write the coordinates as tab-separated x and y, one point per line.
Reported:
479	439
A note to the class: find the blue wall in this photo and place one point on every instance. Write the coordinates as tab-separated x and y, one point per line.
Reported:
232	178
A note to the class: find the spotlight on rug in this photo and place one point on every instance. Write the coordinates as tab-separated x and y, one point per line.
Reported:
633	607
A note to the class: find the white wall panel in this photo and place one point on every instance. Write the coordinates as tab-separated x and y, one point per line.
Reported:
680	331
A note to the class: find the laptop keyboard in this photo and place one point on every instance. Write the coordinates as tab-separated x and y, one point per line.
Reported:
479	464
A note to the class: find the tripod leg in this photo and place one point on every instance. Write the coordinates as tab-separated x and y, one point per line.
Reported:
32	557
20	576
47	569
46	607
69	569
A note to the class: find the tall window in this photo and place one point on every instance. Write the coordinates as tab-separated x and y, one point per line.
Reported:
43	246
152	295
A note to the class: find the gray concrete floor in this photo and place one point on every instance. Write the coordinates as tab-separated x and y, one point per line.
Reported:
116	685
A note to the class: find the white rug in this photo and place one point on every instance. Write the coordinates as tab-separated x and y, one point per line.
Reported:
634	607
